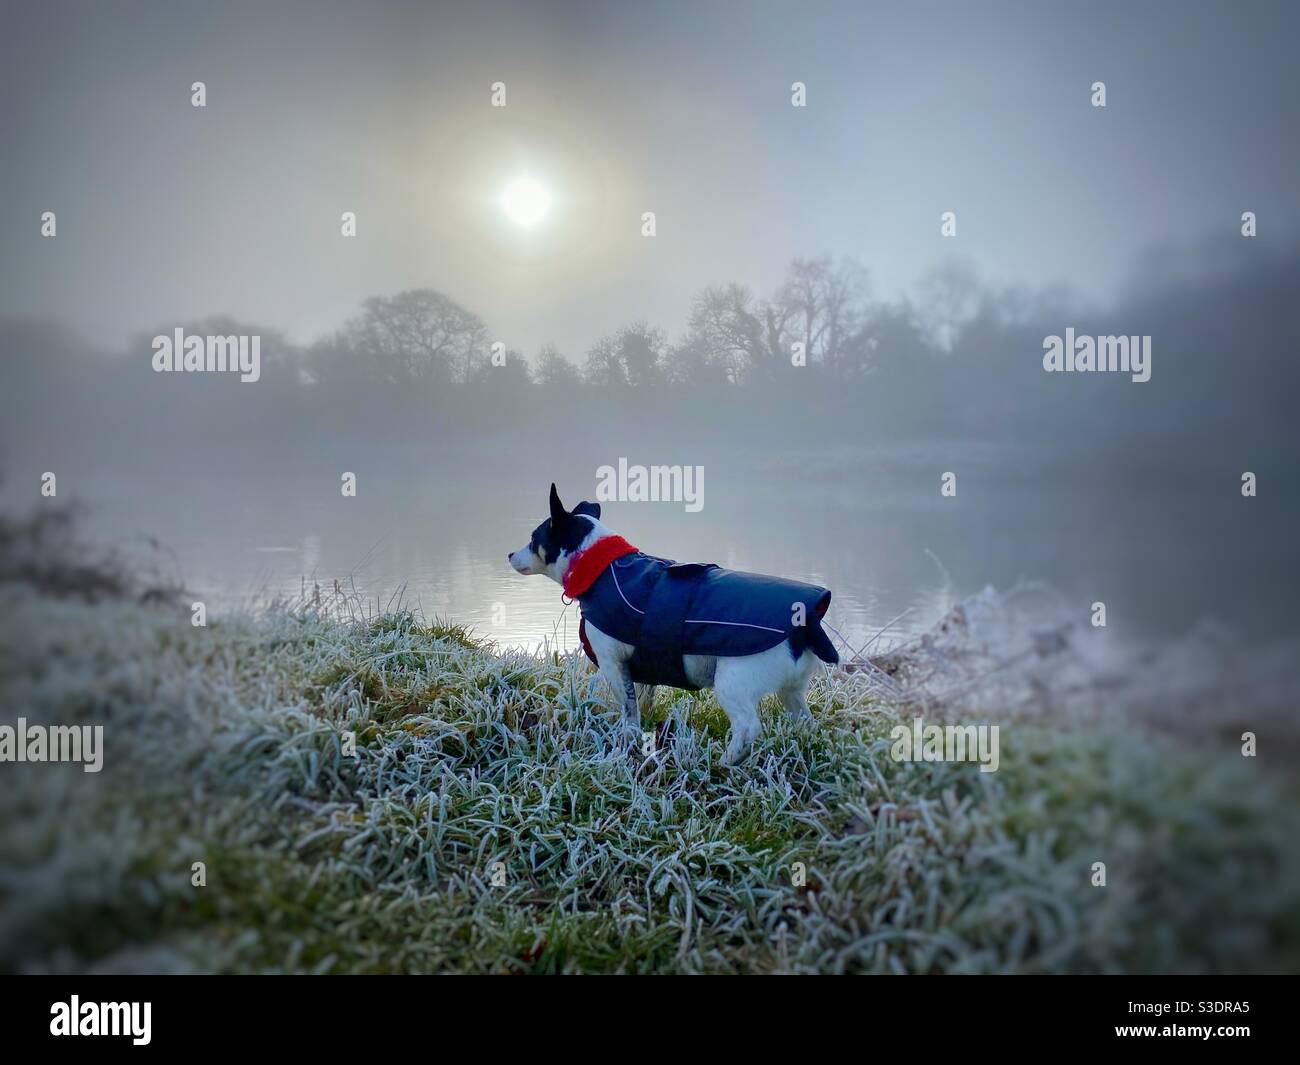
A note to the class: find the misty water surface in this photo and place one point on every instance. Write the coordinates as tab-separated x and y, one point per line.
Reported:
895	553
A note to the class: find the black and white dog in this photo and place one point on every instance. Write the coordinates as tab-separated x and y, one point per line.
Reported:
648	621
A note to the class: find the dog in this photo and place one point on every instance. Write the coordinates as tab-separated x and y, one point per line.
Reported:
648	621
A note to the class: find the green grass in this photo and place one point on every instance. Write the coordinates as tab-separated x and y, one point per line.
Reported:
224	745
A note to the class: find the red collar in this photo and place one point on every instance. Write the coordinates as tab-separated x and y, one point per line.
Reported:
586	565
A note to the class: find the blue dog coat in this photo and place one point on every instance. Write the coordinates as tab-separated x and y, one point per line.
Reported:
666	609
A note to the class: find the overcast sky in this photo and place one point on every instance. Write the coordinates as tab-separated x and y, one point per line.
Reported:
167	212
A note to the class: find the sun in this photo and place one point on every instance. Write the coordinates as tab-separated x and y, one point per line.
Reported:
526	201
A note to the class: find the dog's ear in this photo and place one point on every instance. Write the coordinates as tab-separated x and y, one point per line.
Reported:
592	510
558	514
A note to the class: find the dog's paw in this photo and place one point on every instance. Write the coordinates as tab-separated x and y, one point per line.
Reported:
737	749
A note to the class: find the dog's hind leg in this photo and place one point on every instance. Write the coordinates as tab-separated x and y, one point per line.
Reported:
795	701
645	698
738	691
794	693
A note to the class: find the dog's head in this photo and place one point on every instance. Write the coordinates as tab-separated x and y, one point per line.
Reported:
556	540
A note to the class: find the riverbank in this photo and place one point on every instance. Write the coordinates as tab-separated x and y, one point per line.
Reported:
491	819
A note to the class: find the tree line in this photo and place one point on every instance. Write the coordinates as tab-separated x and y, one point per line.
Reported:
818	358
821	317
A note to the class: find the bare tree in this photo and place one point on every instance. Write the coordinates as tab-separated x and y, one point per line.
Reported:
554	371
510	372
726	336
823	307
689	362
604	368
642	349
820	309
418	335
949	296
631	358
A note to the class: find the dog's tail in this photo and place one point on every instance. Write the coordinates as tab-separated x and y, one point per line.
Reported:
818	642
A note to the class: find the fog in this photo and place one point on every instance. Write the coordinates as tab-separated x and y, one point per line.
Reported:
798	325
1106	488
980	315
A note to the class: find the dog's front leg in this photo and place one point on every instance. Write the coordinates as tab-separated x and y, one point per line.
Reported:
612	657
620	680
